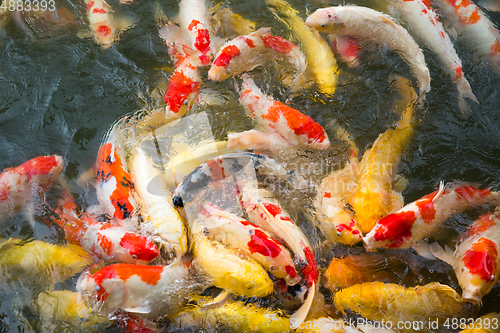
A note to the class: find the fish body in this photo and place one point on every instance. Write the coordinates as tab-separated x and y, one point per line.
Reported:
244	53
367	24
425	26
347	48
390	302
145	289
475	260
419	219
18	185
251	241
192	20
100	17
319	56
475	29
288	126
160	219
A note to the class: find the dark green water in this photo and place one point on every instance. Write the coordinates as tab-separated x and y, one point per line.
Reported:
60	92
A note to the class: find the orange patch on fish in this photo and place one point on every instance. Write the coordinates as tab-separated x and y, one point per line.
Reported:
395	228
277	43
481	259
227	54
181	86
426	207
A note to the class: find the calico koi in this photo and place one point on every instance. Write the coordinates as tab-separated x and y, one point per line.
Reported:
18	185
245	53
280	126
367	24
474	27
192	20
475	260
425	26
160	219
419	219
251	241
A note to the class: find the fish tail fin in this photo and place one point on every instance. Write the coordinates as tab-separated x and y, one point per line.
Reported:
464	90
300	315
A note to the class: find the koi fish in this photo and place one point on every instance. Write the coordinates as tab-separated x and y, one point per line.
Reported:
419	219
347	48
474	27
395	303
280	125
484	324
251	241
225	269
41	262
367	24
426	27
100	17
235	315
192	20
68	307
185	83
318	54
160	219
18	184
245	53
475	260
142	289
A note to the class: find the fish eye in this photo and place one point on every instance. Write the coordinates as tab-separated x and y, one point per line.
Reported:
185	102
97	288
329	15
322	25
492	277
339	233
134	256
272	268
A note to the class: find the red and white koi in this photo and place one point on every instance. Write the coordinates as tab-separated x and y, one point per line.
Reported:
475	260
100	17
245	53
142	289
192	20
160	219
474	27
251	241
18	185
280	126
367	24
419	219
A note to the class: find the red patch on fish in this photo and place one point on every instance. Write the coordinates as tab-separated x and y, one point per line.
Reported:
216	170
103	30
249	42
202	44
327	195
90	5
180	87
467	192
277	43
227	54
290	271
262	244
481	259
341	227
105	243
484	223
272	209
38	166
495	48
310	271
395	228
98	11
426	207
458	71
193	24
473	18
139	246
148	274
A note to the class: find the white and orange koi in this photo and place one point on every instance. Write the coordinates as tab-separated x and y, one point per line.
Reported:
419	219
193	20
160	220
245	53
475	260
250	240
425	26
18	185
142	289
367	24
476	30
280	126
100	17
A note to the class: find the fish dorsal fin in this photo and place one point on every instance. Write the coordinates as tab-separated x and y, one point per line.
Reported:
440	191
388	20
261	32
300	315
444	255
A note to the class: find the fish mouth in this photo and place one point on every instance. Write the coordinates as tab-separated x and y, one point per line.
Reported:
472	296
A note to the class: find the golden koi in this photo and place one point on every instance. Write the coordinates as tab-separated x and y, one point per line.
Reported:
160	219
319	56
394	303
368	24
476	259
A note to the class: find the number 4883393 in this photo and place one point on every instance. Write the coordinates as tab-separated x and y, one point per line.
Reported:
28	5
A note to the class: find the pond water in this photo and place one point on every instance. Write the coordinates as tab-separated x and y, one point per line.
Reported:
60	92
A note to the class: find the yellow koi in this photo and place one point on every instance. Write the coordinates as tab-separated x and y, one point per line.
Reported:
318	53
393	303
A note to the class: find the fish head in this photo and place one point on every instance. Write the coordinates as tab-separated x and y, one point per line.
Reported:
219	70
326	20
104	288
181	94
369	207
478	271
141	249
43	169
340	275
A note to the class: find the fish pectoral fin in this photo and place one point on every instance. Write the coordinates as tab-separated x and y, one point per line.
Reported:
300	315
423	250
139	309
223	295
440	253
399	183
391	22
440	192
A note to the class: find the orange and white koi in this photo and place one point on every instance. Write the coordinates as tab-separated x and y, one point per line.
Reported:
185	83
475	260
142	289
250	240
319	56
425	26
160	220
245	53
18	184
367	24
474	27
192	20
419	219
280	126
100	17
